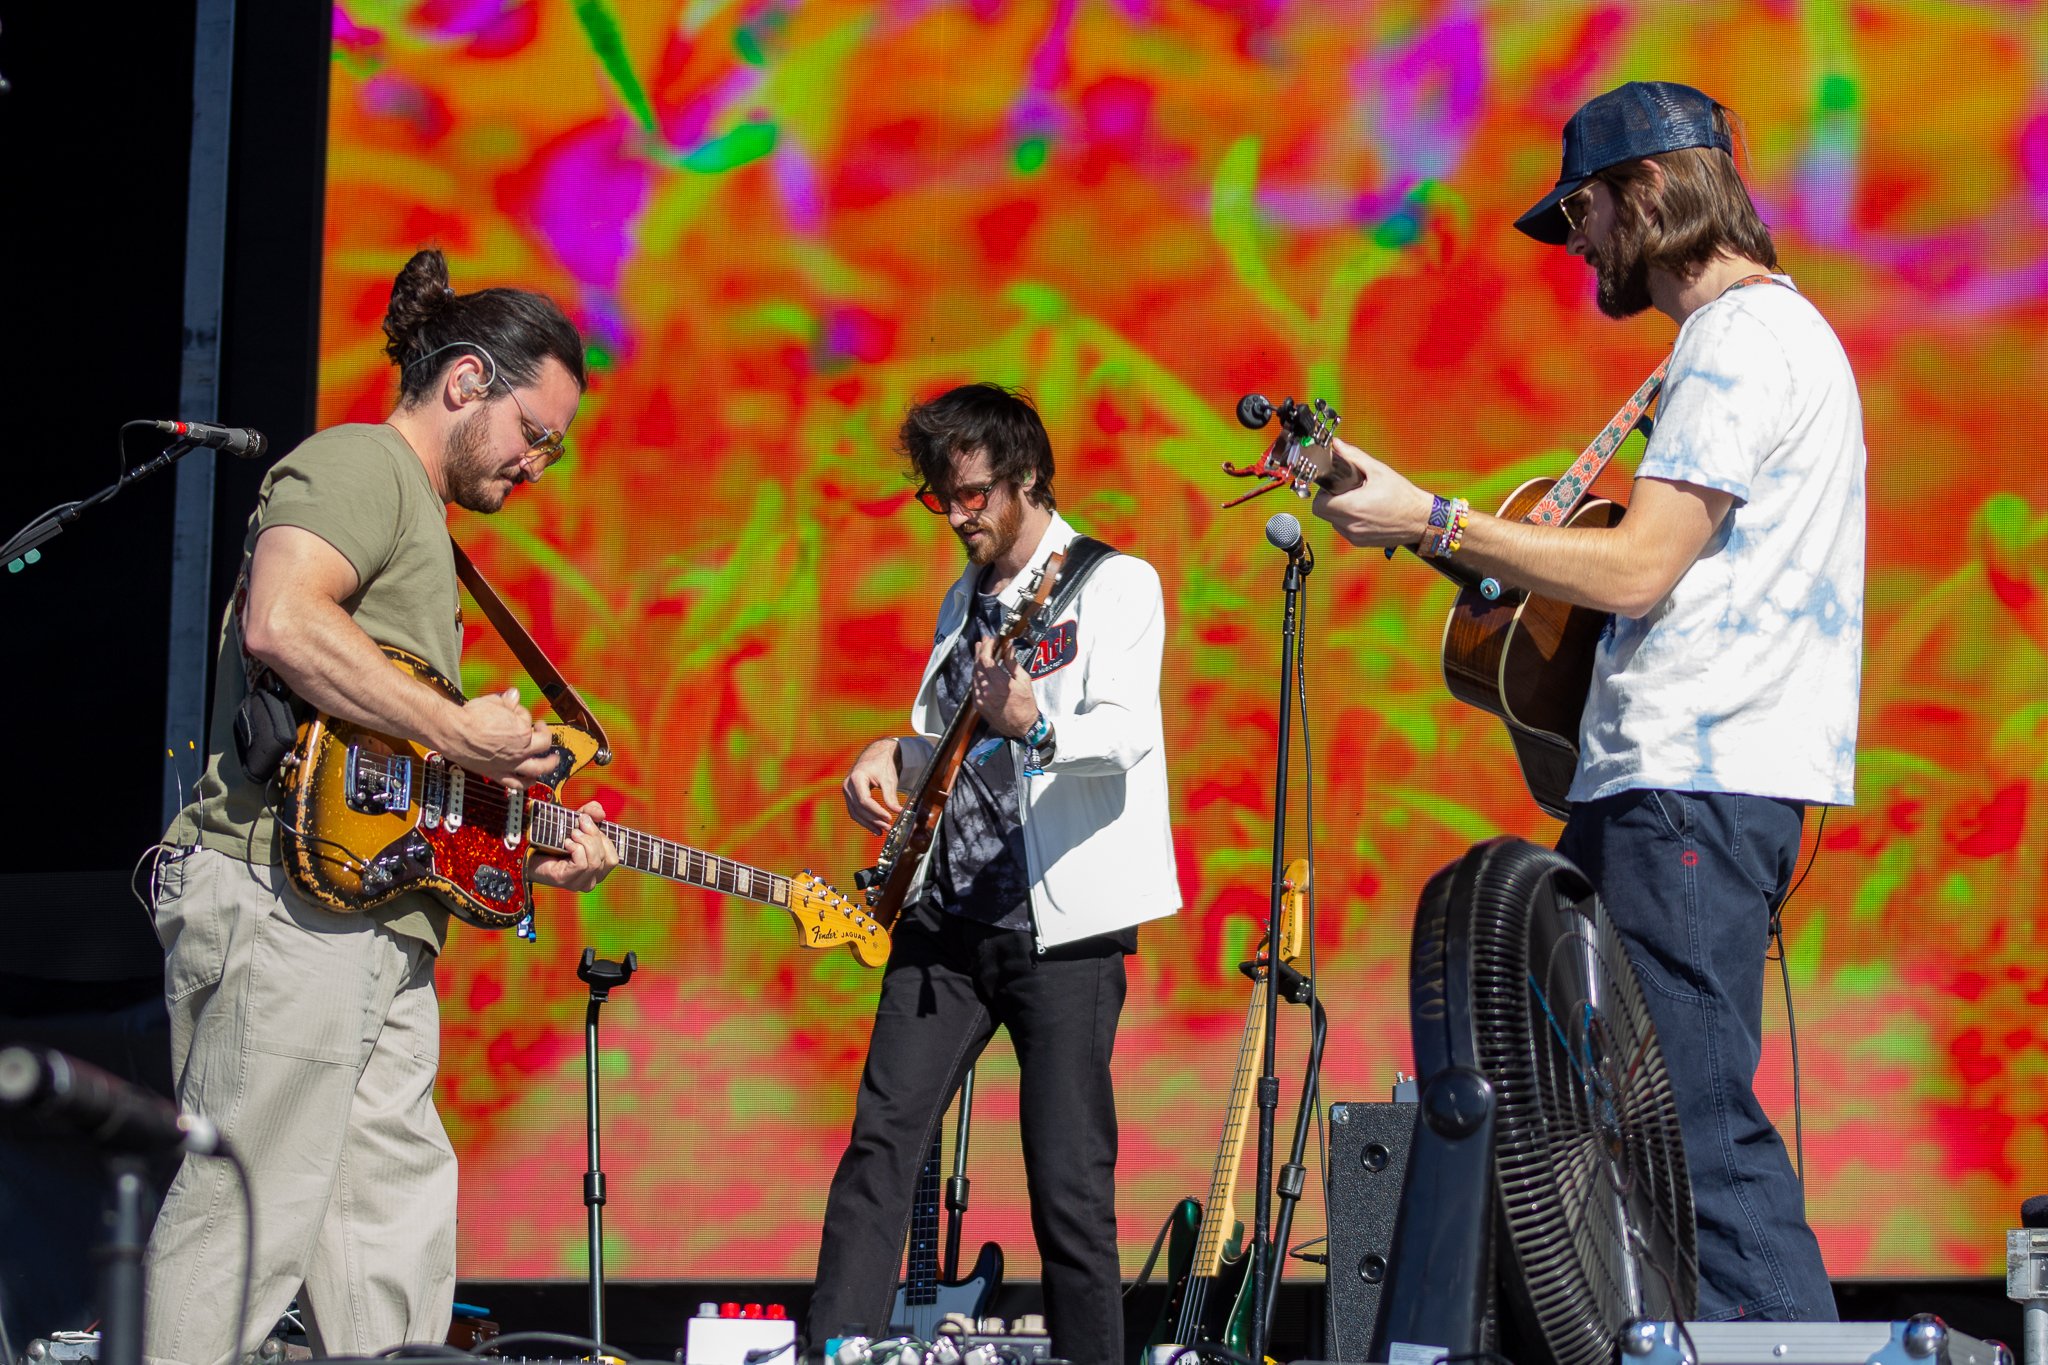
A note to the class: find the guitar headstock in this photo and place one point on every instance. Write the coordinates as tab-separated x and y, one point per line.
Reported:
1023	625
1298	456
826	919
1293	908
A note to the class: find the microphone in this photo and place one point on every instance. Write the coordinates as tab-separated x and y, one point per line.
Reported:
244	443
80	1098
1284	531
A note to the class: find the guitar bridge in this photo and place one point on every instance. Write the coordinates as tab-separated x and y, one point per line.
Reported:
375	784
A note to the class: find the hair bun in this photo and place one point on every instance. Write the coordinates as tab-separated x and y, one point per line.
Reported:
418	295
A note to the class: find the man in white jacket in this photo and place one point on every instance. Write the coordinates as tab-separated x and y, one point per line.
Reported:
1055	845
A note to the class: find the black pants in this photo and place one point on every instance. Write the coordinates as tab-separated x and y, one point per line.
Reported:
946	989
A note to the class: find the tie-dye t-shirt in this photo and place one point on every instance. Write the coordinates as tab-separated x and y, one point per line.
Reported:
1745	677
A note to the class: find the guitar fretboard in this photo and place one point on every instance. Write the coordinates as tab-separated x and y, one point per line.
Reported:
551	824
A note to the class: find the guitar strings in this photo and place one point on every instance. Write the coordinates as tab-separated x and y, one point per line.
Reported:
490	802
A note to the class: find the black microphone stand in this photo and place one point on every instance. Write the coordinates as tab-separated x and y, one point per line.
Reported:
21	550
120	1259
1300	563
603	977
1294	1175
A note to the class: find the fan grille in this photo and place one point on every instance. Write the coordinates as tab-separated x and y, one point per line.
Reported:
1589	1161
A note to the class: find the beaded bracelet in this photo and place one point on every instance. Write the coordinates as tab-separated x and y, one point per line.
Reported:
1461	513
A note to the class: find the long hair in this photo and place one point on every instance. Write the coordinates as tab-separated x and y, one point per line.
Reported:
1003	422
1702	209
429	327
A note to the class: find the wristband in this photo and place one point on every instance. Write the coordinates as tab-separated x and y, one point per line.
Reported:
1035	737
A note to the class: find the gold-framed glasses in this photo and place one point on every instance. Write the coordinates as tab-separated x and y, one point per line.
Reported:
543	445
1575	219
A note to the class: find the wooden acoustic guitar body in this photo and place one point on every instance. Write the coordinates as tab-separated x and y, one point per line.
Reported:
1530	661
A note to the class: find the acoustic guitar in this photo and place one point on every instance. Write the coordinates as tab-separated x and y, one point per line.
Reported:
1524	658
367	816
1210	1294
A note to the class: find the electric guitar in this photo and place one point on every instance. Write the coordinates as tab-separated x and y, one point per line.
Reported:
924	1300
366	817
910	836
1519	656
1210	1298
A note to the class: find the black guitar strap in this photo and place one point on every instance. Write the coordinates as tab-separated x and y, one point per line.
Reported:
1084	554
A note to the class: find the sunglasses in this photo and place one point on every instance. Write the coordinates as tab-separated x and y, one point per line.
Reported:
1576	221
971	499
543	446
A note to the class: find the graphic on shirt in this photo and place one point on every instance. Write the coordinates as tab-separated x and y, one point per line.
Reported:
1058	649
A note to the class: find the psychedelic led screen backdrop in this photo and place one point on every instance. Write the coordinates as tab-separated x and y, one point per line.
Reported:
779	224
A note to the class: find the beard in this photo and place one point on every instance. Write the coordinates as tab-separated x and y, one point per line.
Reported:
473	476
1620	267
1001	532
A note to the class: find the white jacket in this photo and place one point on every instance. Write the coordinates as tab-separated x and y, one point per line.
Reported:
1097	831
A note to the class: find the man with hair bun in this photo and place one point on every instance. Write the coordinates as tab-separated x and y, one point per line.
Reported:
312	1038
1725	689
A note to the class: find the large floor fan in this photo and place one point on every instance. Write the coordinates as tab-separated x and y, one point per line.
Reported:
1547	1177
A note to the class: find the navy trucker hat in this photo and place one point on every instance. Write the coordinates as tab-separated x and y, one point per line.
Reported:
1627	123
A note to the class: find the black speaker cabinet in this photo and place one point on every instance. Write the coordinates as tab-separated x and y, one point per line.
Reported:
1368	1163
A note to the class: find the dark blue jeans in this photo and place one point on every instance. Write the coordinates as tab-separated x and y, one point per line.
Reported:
1689	879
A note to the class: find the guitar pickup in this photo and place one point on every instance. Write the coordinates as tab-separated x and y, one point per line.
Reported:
374	784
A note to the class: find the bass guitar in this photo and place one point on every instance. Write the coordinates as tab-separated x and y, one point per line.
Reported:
1519	656
910	836
924	1299
1210	1294
367	816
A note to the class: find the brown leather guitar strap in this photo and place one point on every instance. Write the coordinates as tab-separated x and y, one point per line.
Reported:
553	686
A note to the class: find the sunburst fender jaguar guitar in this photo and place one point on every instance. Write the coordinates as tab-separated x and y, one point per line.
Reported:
1524	658
367	817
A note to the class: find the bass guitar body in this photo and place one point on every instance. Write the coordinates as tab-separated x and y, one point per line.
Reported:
1213	1307
1529	660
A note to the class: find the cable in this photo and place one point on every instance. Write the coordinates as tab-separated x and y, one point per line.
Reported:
1777	936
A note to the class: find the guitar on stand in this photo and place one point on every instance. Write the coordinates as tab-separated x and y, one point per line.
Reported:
924	1299
1209	1297
1521	657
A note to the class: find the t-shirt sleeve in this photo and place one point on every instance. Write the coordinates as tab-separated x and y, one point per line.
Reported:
346	493
1725	404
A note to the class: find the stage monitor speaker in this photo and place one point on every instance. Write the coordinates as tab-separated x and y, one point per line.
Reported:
1368	1163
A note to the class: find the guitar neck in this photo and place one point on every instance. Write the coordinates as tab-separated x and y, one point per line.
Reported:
1219	1215
550	824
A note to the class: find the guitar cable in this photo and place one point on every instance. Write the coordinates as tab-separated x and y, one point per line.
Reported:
1777	952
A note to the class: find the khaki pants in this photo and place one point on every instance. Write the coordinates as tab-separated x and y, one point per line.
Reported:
311	1039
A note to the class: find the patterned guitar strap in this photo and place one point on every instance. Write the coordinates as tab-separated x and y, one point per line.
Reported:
1577	481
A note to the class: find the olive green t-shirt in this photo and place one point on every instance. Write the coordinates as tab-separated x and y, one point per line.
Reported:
361	489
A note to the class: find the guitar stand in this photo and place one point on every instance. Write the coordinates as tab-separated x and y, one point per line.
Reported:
957	1183
604	977
1294	1175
